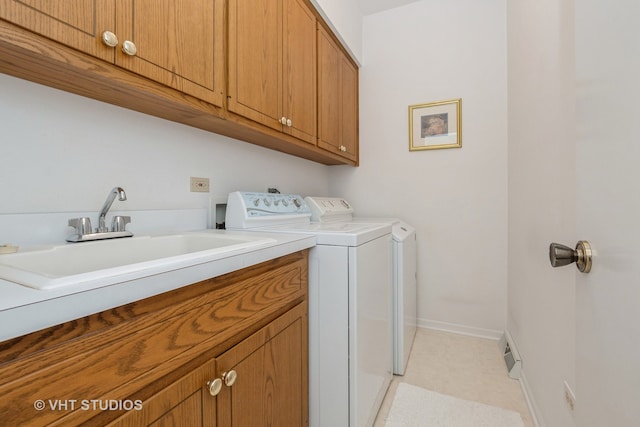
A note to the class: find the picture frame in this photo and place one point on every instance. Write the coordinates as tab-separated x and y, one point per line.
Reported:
435	125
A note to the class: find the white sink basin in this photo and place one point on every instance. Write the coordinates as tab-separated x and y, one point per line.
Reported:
76	263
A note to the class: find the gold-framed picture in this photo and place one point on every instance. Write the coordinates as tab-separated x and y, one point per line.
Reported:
435	125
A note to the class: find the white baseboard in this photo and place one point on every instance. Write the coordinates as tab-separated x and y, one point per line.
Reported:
526	390
531	403
460	329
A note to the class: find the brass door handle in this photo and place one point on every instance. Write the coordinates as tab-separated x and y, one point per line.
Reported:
561	255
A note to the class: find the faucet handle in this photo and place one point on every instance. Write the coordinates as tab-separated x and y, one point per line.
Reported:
82	225
120	222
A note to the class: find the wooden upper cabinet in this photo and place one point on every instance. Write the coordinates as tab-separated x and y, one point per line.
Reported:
300	70
337	99
254	60
278	81
75	23
272	65
177	42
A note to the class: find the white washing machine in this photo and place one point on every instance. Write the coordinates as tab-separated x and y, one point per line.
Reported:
404	266
350	318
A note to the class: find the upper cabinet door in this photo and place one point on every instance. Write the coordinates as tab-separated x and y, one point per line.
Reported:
349	109
300	71
337	99
255	60
329	136
272	65
175	42
76	23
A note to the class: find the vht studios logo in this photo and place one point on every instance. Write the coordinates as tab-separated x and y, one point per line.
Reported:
88	405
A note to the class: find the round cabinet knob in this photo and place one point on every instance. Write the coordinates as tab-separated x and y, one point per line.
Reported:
129	48
283	120
214	386
289	122
109	39
229	378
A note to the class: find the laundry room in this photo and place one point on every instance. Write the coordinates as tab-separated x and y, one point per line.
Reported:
484	208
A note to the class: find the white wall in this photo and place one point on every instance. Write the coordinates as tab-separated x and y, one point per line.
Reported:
61	152
369	7
457	198
345	18
542	198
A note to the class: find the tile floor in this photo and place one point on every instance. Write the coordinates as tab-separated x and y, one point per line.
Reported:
461	366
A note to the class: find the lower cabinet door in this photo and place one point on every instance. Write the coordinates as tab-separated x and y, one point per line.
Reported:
187	402
271	376
262	381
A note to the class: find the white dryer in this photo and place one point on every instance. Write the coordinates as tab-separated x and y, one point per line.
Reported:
350	336
404	266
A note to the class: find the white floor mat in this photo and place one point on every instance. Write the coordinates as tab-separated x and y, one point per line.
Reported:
417	407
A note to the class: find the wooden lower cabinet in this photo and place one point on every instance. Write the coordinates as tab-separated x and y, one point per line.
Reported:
185	402
270	384
150	363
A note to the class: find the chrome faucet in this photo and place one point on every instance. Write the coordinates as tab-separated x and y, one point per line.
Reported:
82	226
122	196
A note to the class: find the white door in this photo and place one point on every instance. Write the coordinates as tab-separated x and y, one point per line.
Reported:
608	212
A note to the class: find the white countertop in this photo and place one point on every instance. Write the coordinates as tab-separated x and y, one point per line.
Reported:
24	310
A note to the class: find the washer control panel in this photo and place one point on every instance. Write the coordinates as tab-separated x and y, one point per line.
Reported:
252	209
263	204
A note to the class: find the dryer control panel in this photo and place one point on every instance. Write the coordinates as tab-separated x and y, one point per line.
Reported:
329	209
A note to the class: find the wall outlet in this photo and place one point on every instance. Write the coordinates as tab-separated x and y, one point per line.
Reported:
569	397
200	185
